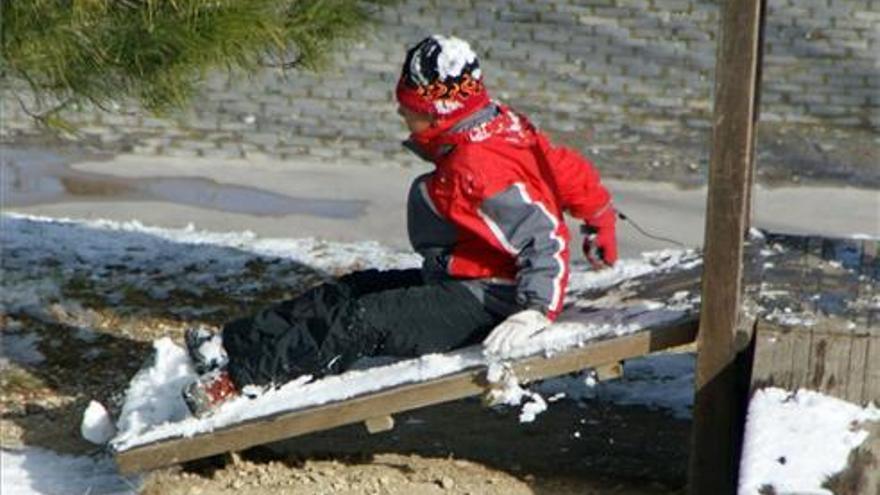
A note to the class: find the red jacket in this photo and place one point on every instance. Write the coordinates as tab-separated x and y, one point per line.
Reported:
493	207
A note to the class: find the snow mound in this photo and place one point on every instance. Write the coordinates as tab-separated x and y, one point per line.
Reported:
795	441
35	471
153	397
97	427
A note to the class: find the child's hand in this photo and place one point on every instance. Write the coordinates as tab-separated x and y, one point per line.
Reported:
600	240
515	330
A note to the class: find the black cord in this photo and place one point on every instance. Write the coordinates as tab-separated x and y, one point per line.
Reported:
642	231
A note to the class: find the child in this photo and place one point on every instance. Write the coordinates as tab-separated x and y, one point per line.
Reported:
488	221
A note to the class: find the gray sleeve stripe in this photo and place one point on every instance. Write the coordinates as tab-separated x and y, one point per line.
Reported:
528	230
498	233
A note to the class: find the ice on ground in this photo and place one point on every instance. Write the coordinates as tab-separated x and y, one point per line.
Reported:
97	426
20	348
35	471
795	441
661	381
86	335
788	318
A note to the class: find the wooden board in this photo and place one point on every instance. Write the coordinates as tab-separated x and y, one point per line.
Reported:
858	369
398	399
871	389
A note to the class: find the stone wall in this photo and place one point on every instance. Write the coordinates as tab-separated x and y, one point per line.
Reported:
582	69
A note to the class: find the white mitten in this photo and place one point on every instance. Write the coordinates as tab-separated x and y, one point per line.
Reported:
514	331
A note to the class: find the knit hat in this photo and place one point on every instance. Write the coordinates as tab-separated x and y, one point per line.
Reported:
441	77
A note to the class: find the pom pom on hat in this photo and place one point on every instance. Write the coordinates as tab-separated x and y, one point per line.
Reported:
441	77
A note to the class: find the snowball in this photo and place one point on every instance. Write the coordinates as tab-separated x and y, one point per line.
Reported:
96	425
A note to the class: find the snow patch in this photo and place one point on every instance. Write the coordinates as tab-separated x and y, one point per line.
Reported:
153	397
788	317
97	427
35	471
507	391
795	441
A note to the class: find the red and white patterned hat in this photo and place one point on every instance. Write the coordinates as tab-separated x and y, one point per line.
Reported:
441	77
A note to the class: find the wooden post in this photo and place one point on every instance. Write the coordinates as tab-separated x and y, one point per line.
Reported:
756	111
719	403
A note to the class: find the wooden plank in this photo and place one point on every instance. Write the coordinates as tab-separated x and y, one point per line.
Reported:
719	409
801	357
829	372
872	372
772	362
858	367
783	356
398	399
756	112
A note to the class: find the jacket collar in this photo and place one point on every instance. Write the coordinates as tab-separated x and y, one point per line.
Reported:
438	141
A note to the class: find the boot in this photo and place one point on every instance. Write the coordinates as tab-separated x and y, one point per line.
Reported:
205	349
205	395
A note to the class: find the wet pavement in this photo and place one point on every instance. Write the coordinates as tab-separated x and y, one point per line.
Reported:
30	177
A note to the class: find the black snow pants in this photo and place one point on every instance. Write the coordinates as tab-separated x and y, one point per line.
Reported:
366	313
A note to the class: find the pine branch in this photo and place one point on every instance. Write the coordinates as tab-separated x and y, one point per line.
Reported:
157	51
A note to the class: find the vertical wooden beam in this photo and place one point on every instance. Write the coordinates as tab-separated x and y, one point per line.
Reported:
756	113
720	387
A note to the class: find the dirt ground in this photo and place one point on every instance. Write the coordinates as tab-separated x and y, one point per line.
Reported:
462	448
